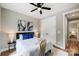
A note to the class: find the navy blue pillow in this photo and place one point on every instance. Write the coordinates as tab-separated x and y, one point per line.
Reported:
27	36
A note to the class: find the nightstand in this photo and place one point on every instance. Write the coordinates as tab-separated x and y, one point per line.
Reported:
12	43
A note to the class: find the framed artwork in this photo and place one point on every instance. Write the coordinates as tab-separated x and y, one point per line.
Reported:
24	25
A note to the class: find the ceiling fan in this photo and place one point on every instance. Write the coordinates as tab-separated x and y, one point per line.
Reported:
39	7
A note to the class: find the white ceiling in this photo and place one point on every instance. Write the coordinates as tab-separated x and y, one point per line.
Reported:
73	16
25	8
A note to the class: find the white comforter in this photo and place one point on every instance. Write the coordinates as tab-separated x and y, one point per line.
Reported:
29	47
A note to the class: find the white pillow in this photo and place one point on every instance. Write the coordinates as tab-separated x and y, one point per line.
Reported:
20	36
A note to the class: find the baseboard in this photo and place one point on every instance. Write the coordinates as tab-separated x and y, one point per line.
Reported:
2	50
0	53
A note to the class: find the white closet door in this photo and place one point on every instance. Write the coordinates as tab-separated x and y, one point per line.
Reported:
48	29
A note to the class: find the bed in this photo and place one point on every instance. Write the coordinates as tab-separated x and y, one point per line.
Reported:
28	45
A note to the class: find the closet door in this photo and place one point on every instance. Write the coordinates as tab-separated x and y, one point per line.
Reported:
48	29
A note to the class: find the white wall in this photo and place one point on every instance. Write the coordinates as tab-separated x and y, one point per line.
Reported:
9	24
48	29
0	18
59	29
74	26
9	20
0	29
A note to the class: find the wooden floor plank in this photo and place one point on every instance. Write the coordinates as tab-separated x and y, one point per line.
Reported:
6	53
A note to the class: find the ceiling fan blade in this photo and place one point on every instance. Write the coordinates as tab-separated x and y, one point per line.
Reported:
40	4
34	9
40	11
46	8
33	4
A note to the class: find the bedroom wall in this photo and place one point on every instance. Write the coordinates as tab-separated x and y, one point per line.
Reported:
48	29
0	18
0	28
59	29
9	24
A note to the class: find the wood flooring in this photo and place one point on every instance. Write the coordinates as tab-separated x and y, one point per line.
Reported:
6	53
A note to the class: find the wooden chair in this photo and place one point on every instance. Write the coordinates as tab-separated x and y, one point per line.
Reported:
42	47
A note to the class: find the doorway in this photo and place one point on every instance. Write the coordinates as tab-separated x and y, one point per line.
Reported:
71	31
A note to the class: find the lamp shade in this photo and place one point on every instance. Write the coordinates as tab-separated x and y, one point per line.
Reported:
11	36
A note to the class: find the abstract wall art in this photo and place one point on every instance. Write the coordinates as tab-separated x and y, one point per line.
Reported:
25	25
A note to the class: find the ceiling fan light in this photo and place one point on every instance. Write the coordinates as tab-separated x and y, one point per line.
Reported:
39	9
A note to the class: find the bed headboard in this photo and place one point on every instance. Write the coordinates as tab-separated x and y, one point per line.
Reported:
25	35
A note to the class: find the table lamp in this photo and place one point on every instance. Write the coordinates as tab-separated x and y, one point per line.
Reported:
11	37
